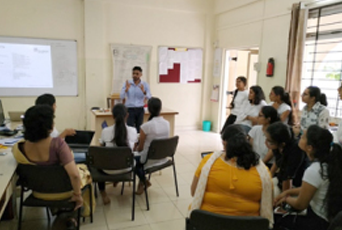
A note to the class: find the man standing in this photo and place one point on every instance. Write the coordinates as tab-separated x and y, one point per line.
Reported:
134	92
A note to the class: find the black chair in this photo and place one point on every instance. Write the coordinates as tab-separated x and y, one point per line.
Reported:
112	158
203	220
46	179
160	149
336	223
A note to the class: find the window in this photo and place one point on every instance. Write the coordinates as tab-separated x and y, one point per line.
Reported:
322	65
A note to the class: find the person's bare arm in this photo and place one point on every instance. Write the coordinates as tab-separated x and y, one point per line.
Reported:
268	156
75	179
290	192
141	141
274	168
67	132
194	185
286	184
306	193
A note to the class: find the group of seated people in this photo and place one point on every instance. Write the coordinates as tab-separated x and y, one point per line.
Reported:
44	145
268	161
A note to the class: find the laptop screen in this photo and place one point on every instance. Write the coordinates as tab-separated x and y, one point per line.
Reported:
81	138
2	115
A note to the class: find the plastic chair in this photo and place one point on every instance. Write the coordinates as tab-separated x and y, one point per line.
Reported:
160	149
336	223
46	179
203	220
112	158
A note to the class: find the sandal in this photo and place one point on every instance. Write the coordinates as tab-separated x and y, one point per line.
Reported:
71	224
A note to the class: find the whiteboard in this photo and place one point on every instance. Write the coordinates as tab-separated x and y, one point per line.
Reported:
63	68
125	57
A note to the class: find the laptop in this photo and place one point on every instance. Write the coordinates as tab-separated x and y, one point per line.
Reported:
79	144
81	141
16	116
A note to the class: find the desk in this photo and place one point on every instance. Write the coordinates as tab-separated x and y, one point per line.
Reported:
8	178
98	117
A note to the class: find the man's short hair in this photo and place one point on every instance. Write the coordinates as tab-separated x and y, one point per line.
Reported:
137	68
46	99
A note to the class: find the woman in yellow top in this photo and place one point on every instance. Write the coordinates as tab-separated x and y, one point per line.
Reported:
232	182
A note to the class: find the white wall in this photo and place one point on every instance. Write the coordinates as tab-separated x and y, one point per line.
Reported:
62	19
153	23
97	23
255	23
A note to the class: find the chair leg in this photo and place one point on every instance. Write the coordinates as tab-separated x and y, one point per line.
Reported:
20	208
123	187
149	176
146	196
78	218
91	202
133	198
175	175
48	214
95	190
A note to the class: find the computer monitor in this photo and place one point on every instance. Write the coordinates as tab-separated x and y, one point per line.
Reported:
2	115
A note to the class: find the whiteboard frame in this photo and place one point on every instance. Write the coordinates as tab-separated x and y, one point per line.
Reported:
72	89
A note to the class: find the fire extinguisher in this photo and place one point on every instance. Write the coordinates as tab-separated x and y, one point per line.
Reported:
270	67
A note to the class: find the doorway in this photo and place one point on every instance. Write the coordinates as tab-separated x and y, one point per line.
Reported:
237	63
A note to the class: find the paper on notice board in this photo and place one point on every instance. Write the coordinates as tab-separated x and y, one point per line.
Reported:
215	93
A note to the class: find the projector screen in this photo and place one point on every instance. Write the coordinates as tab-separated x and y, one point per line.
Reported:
31	67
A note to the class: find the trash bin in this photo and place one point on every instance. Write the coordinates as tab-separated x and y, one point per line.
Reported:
206	126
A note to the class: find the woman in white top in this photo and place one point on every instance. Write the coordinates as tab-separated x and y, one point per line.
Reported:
282	103
118	134
267	115
338	133
249	112
315	111
239	98
321	190
155	128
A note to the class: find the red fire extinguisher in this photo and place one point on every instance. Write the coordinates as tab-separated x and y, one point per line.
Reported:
270	67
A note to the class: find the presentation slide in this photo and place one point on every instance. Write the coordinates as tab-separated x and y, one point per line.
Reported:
25	66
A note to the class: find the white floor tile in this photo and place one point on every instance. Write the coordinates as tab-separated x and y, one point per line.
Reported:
169	225
162	212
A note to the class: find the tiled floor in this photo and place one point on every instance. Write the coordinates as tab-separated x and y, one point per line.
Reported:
167	211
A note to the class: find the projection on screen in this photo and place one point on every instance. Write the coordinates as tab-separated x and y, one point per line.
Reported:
25	66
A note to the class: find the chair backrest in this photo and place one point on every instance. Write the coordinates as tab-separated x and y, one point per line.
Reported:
44	179
110	158
336	223
203	220
162	148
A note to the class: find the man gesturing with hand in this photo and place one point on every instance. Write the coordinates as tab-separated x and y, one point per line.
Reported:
135	92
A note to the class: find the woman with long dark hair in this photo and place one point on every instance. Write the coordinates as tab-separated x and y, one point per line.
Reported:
267	115
248	115
235	181
290	161
239	97
321	191
155	128
281	101
315	112
118	134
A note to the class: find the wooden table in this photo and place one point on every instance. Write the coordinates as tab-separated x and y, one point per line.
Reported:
98	117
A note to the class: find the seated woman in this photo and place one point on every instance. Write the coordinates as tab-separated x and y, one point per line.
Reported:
248	114
321	191
282	103
268	115
290	161
155	128
118	134
39	148
231	182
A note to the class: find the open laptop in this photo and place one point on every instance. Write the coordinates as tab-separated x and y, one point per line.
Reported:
79	144
2	115
15	115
